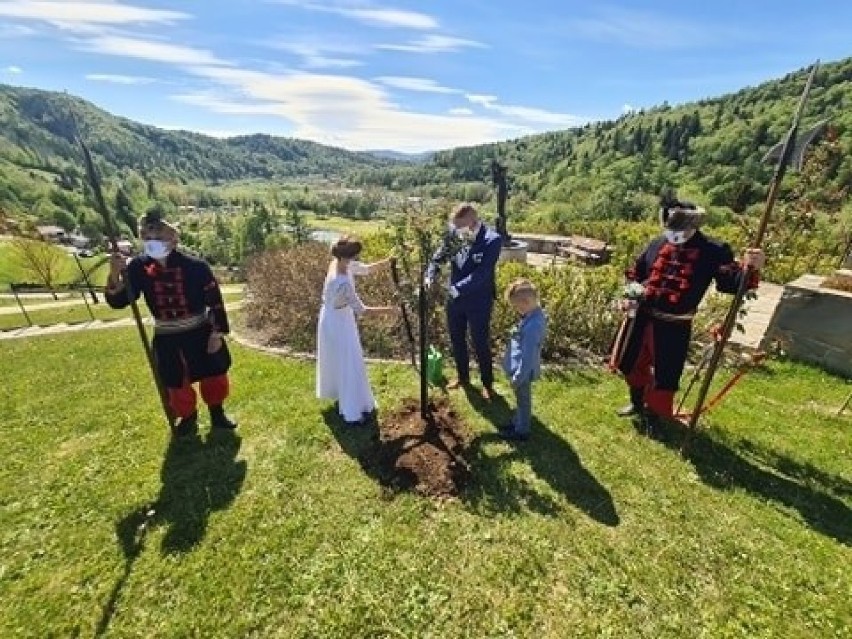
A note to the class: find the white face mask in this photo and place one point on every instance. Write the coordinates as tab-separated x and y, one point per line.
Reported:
157	249
678	237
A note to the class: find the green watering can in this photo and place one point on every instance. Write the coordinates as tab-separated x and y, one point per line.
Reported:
435	367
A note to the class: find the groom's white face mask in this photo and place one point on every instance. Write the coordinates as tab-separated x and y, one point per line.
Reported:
466	233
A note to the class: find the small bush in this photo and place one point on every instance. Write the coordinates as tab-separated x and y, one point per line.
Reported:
283	295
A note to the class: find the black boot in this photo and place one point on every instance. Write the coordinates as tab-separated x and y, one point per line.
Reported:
654	426
218	419
637	397
187	426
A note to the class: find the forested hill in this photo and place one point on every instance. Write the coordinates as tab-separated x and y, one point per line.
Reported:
36	131
710	149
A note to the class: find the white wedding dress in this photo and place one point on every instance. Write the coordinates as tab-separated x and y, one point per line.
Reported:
341	371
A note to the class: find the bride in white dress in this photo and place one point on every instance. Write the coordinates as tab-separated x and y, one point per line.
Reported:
341	372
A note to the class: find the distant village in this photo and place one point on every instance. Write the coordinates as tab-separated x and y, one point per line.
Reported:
75	242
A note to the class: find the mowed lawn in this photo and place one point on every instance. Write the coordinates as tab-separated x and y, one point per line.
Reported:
11	270
587	530
40	315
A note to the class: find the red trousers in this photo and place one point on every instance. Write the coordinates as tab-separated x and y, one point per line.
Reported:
658	355
214	391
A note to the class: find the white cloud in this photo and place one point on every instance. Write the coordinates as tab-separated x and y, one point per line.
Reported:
331	108
72	14
317	55
9	31
460	111
538	116
421	85
341	110
213	133
391	18
482	100
152	50
649	31
13	70
326	62
119	79
527	114
227	106
376	16
433	43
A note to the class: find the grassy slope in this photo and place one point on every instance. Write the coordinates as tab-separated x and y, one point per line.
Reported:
78	313
11	271
345	225
588	530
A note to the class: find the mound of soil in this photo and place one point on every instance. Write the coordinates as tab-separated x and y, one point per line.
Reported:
423	456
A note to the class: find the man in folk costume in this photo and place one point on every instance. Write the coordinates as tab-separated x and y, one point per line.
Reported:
472	250
189	321
672	275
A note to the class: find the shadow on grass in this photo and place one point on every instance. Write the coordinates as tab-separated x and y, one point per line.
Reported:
198	477
722	467
798	471
490	485
549	456
576	376
408	455
359	443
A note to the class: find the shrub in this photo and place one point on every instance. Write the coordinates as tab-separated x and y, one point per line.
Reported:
283	294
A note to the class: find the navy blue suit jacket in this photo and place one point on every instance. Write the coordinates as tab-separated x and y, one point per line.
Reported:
472	278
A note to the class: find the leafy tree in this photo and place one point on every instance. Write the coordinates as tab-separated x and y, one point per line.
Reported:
40	260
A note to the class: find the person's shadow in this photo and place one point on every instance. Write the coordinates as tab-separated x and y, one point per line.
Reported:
550	457
769	477
362	443
198	477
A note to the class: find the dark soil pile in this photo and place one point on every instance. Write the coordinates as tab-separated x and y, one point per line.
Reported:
426	457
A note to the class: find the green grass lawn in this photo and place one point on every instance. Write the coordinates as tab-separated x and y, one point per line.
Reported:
345	225
79	313
586	530
12	272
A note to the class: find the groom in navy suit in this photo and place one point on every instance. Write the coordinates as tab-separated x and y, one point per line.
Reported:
472	250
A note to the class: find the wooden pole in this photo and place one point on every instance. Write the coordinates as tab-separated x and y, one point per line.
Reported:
845	404
83	292
86	279
112	231
20	304
733	311
422	313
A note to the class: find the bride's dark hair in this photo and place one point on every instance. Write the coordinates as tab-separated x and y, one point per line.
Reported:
347	247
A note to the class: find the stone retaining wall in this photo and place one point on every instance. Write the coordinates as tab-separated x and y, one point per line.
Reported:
815	324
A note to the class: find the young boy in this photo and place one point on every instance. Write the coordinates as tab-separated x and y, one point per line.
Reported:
522	362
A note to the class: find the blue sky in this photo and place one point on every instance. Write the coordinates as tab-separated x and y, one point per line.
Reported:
405	75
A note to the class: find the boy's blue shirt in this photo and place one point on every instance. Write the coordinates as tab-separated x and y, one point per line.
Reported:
522	362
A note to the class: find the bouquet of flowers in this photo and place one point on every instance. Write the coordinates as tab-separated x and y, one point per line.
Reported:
633	292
